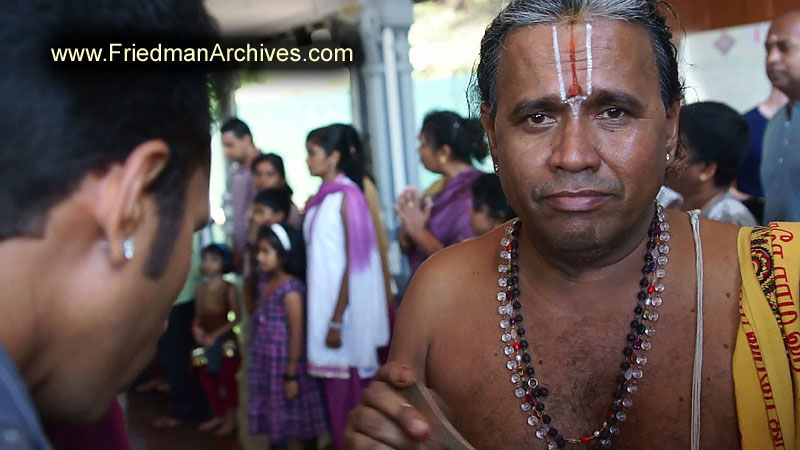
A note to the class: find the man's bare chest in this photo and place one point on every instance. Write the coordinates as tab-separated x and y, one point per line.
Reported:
579	361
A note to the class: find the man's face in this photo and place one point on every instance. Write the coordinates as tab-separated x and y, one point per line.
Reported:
582	153
234	148
266	176
783	54
111	326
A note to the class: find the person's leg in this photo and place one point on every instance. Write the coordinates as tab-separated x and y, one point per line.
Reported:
212	387
190	402
341	397
230	395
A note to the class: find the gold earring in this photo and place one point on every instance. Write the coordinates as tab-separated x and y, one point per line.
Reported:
443	159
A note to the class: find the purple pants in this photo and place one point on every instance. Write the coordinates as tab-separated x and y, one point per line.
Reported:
341	397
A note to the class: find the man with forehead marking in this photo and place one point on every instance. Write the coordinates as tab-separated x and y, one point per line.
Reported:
574	96
620	324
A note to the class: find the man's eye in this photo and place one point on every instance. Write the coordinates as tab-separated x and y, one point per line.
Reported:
612	113
538	119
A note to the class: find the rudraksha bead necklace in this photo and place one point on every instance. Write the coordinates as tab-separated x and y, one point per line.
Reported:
527	387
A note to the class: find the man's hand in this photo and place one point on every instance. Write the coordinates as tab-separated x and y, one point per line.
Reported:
385	418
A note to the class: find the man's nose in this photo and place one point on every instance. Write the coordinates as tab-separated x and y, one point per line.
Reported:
572	148
774	55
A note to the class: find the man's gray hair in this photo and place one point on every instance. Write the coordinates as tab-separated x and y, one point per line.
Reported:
523	13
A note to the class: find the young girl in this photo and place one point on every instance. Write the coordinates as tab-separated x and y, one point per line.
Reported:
215	298
285	402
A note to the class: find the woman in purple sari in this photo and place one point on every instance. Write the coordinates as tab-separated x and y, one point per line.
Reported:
448	144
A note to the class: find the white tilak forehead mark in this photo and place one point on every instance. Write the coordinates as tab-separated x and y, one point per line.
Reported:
558	65
589	59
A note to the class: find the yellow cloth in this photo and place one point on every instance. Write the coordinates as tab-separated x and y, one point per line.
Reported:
434	190
766	360
374	205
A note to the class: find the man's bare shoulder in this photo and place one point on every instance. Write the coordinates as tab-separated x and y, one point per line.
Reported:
447	284
458	263
720	241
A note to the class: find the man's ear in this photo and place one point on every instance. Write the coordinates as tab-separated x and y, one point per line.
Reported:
488	125
673	129
281	216
120	202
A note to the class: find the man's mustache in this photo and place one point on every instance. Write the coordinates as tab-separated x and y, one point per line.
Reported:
577	183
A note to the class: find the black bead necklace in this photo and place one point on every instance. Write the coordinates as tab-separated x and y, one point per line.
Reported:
637	341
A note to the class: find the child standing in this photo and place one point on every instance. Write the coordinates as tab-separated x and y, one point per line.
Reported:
285	402
216	299
269	206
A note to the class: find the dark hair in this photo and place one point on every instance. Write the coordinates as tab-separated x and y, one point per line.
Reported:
278	199
713	132
486	190
277	163
237	127
339	138
464	136
293	261
359	148
222	252
524	13
61	122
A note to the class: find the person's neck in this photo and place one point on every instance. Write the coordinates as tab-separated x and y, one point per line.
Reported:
455	168
23	297
276	277
250	155
703	197
560	278
773	103
329	176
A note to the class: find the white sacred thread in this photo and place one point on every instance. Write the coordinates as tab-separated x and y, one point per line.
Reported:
589	59
558	65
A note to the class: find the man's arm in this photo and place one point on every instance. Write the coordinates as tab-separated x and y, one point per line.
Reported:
384	416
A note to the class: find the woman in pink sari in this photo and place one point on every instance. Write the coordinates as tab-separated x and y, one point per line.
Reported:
347	308
448	144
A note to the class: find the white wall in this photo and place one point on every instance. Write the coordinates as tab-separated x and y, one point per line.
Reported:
737	77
